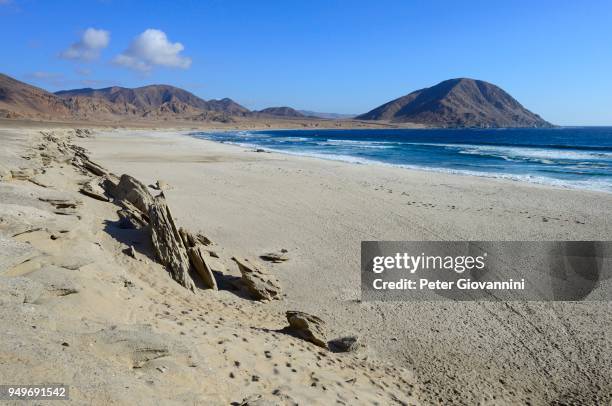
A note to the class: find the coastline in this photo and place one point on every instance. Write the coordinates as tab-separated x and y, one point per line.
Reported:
251	203
353	157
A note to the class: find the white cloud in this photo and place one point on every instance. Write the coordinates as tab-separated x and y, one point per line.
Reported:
152	48
89	46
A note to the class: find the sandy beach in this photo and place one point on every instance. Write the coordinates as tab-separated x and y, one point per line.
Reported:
75	290
320	211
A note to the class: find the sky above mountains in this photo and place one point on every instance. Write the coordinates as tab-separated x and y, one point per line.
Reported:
336	56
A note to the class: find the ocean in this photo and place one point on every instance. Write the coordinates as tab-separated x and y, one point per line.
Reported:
573	157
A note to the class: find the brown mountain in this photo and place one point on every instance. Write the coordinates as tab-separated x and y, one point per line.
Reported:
18	99
157	98
287	112
161	102
458	103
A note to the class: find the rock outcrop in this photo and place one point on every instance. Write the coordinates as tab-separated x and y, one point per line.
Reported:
167	242
308	327
260	283
132	190
200	258
130	217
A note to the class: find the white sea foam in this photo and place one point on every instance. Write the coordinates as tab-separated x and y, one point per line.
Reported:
547	156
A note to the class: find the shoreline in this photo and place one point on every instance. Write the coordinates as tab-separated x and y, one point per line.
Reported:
525	178
522	179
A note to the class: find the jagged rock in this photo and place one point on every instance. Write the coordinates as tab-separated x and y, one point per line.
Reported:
345	344
191	240
92	167
260	283
275	257
306	326
109	183
82	132
94	190
167	242
133	191
131	218
201	260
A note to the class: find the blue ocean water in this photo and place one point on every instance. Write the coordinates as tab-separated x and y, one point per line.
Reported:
575	157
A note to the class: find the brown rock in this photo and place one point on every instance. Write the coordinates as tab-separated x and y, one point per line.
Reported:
306	326
260	283
167	242
133	191
93	167
201	259
191	240
130	217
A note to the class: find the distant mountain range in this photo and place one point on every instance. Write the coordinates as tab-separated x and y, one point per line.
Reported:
154	97
452	103
286	112
457	103
157	102
329	116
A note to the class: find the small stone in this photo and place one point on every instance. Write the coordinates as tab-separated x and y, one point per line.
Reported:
274	257
308	327
260	283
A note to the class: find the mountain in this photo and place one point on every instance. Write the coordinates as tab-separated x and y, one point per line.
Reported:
154	97
458	103
155	102
287	112
18	99
330	116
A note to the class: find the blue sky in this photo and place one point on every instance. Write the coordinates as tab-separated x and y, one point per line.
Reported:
555	57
